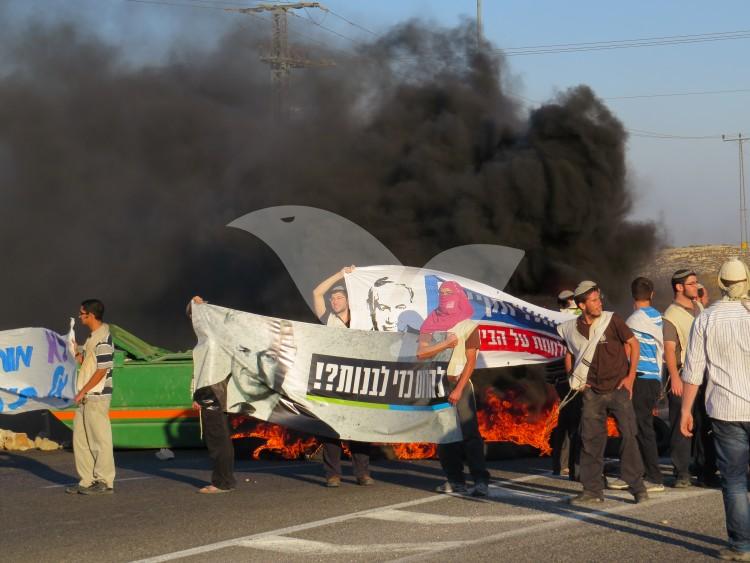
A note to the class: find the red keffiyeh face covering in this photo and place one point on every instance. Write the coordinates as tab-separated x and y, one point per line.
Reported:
453	307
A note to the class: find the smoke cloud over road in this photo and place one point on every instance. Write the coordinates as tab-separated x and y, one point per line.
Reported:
117	179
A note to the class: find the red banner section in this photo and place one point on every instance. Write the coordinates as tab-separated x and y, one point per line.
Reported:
507	339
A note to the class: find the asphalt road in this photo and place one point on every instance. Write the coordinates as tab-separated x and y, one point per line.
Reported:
282	512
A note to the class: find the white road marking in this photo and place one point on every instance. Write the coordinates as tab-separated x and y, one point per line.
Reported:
309	525
558	521
296	546
429	519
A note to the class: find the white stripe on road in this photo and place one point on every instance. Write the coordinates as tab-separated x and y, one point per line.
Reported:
309	525
558	521
428	519
296	546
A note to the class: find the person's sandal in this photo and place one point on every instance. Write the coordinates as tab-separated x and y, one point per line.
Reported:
211	490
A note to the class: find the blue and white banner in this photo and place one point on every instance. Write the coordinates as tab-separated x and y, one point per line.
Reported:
399	298
37	370
326	381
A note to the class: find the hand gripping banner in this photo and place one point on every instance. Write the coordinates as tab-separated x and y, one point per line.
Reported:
37	370
336	382
399	298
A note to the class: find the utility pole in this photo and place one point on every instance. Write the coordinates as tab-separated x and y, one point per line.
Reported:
479	24
281	60
743	197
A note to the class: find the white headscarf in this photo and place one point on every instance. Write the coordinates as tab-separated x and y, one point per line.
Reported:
734	281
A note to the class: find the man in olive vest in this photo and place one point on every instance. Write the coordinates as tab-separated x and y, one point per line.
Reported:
678	320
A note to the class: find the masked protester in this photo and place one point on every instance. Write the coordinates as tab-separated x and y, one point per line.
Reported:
450	326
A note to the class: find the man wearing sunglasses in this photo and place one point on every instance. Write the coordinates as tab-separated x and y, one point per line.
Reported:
92	432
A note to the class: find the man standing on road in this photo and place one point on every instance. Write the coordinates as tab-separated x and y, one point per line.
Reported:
720	348
211	403
92	432
452	319
646	324
596	355
339	316
678	320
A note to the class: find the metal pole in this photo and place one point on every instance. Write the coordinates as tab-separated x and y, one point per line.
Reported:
743	195
479	24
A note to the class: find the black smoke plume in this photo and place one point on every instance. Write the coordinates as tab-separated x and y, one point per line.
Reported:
116	180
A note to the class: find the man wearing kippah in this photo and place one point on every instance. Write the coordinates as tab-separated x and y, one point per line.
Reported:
678	320
599	368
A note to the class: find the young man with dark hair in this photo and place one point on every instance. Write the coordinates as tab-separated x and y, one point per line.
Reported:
92	432
646	324
678	320
597	363
339	316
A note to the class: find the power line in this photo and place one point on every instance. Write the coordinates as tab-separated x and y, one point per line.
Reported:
625	43
328	29
354	24
672	94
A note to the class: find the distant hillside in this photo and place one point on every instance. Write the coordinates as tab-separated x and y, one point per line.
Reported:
705	260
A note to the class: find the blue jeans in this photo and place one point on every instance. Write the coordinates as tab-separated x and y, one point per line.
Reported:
732	452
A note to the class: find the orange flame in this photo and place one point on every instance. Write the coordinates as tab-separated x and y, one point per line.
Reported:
612	430
509	420
501	419
417	450
279	440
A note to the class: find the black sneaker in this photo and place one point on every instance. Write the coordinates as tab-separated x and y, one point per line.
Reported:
73	490
585	499
450	487
640	497
481	489
98	488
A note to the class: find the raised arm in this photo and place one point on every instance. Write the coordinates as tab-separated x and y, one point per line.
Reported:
319	292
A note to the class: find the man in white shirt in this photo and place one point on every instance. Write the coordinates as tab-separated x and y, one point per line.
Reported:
719	346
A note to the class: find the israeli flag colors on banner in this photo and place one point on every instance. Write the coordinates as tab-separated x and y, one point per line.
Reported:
399	298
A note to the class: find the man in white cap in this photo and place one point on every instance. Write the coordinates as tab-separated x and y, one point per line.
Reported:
566	303
599	368
719	347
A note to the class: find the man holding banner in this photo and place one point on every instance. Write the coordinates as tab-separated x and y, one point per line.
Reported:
339	316
92	432
453	314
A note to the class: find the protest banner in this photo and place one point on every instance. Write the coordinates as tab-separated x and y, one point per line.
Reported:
399	298
335	382
37	370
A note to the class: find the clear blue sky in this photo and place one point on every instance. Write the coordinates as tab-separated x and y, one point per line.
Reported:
690	185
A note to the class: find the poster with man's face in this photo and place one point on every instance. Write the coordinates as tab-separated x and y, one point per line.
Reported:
399	299
327	381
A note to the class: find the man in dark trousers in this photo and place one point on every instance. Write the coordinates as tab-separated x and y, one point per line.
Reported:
678	321
598	366
339	316
211	401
